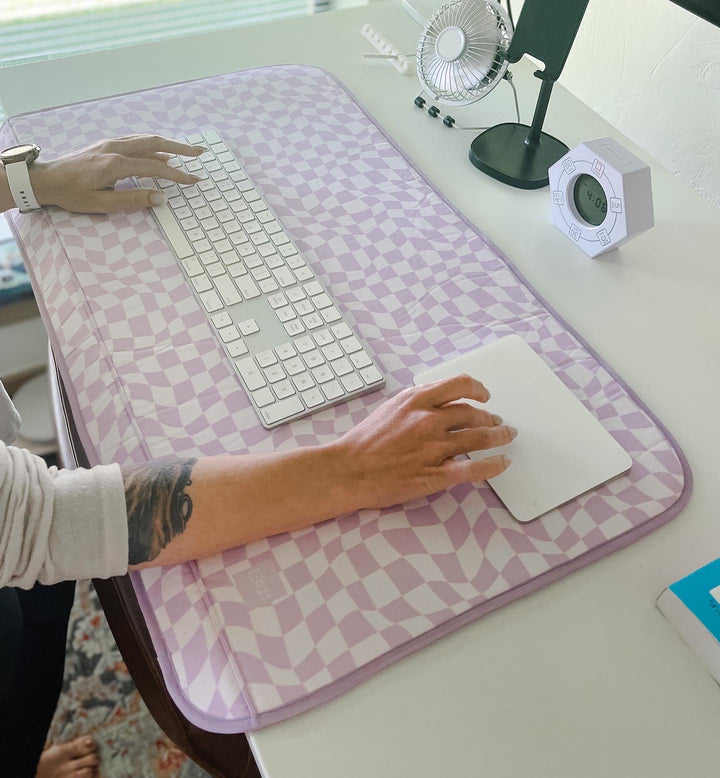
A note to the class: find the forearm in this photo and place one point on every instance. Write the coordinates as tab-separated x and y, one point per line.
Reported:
232	500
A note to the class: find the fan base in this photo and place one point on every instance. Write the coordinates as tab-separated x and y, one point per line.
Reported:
502	152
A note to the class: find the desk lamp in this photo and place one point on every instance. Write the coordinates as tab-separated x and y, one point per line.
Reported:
516	153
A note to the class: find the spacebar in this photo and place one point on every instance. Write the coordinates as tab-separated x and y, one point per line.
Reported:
282	409
172	231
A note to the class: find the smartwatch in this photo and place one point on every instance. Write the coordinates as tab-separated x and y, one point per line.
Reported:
16	161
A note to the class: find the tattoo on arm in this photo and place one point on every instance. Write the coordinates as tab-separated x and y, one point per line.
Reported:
158	508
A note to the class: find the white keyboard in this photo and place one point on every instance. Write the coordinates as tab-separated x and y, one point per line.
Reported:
281	330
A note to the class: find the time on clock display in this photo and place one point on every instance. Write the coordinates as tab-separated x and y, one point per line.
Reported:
590	199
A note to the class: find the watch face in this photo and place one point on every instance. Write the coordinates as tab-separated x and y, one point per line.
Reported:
27	152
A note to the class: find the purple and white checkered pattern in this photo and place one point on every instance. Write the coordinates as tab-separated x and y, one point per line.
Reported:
263	631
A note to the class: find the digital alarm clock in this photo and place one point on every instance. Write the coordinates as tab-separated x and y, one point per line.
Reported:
601	195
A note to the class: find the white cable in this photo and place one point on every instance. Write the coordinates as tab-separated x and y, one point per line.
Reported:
414	12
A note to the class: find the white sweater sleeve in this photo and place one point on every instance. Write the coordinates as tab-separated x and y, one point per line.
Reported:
58	525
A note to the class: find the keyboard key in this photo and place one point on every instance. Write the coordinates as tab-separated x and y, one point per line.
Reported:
333	351
250	373
229	258
282	409
173	231
313	358
220	320
294	366
371	375
331	314
313	288
295	294
277	300
304	307
304	381
260	273
294	327
323	337
283	389
229	333
236	349
284	277
350	345
208	258
352	382
342	366
312	321
341	330
332	390
322	374
249	327
264	216
263	397
228	291
303	273
304	344
285	351
266	358
285	314
312	398
268	285
360	359
321	301
288	250
201	245
202	283
211	301
192	266
247	287
215	270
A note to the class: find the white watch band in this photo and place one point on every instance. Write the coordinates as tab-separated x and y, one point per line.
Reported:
18	179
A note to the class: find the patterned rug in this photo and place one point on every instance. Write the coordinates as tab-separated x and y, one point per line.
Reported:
100	699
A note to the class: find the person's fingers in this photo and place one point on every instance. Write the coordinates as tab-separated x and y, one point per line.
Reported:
89	760
125	167
112	200
479	439
458	471
455	388
460	415
81	746
83	772
147	145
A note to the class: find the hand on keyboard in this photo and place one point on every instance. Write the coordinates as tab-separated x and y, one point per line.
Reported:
84	182
407	447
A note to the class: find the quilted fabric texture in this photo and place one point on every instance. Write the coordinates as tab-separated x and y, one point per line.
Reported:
264	631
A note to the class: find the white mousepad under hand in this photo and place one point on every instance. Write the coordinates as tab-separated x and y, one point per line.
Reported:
561	450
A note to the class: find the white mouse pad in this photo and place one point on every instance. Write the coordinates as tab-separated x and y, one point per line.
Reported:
561	450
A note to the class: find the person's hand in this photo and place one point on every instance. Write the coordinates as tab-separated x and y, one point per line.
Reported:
84	182
407	447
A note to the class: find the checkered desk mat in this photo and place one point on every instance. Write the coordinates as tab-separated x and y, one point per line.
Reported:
265	631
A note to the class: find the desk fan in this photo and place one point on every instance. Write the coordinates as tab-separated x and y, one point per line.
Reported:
461	54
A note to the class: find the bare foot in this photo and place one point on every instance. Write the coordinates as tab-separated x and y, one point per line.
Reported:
76	759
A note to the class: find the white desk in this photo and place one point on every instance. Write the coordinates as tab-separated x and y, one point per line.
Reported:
584	678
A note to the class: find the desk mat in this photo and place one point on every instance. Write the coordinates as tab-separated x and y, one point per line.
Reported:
261	632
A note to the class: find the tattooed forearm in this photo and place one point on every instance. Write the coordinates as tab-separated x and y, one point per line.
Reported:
158	508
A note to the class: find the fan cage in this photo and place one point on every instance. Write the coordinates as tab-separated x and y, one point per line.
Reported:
479	67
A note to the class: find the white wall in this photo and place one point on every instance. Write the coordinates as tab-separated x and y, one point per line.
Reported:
652	70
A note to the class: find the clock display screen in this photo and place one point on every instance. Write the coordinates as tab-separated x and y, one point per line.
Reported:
590	200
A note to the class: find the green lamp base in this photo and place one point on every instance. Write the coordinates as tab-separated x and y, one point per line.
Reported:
504	153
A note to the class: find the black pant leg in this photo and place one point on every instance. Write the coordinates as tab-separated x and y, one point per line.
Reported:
26	710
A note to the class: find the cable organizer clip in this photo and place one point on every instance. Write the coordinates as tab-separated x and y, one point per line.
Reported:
386	50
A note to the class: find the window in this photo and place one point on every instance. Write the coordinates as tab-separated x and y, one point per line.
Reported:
42	29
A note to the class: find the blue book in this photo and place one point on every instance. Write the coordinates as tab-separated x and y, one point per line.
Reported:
692	606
